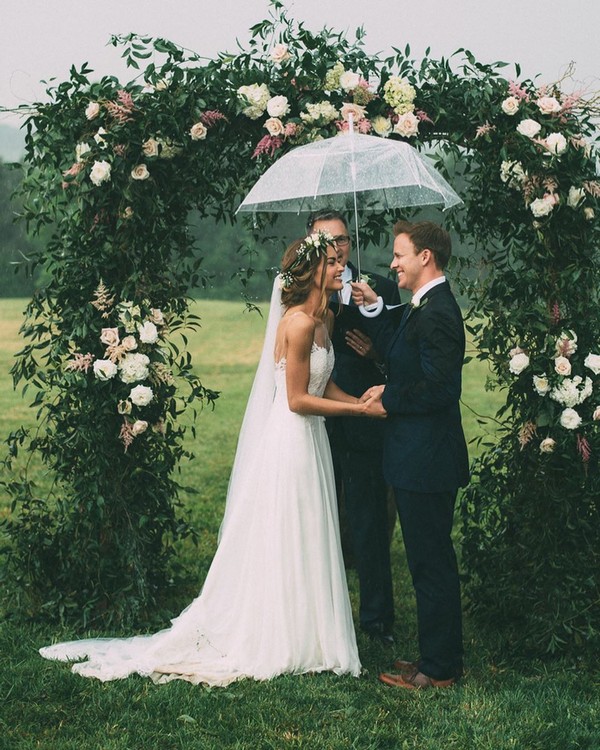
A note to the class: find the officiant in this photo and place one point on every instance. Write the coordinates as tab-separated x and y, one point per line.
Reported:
357	445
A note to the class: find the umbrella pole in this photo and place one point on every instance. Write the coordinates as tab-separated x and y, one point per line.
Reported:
353	173
356	232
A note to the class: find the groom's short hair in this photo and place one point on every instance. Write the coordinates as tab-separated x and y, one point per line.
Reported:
325	214
427	234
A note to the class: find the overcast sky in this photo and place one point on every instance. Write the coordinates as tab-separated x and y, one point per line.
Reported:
40	39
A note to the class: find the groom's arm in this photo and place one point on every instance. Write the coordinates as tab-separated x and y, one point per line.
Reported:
441	353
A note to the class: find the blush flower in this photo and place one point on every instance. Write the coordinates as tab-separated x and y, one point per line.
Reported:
510	106
198	131
140	172
547	445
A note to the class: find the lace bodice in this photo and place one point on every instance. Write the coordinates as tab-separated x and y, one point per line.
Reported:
321	366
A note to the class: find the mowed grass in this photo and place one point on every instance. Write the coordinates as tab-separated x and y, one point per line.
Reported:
498	706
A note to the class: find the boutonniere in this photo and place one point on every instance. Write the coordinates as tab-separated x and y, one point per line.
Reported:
364	278
416	305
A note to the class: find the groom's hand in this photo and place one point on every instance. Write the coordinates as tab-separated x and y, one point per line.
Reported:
362	294
375	391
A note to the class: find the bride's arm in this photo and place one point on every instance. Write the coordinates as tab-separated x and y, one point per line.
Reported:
300	334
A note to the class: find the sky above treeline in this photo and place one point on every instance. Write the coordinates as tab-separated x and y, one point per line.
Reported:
41	39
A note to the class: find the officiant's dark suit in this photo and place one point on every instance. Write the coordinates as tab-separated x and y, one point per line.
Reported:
425	455
356	446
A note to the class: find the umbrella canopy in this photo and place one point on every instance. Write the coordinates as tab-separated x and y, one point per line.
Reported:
382	173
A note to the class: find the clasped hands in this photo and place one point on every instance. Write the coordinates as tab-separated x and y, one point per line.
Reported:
372	398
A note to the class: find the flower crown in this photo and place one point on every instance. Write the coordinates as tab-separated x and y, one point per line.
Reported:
315	243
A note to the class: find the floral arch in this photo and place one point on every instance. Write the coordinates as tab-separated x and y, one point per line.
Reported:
115	169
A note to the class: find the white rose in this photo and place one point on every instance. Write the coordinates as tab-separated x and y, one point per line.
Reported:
382	126
576	196
162	85
134	367
104	369
198	131
407	125
148	333
547	445
589	213
592	362
100	172
279	54
92	110
274	126
129	343
548	105
541	384
596	414
141	395
150	147
140	172
138	427
99	137
80	150
529	128
556	143
510	106
518	363
562	366
541	207
570	419
349	80
109	336
278	106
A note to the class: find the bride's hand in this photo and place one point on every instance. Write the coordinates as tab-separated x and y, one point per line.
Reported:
374	408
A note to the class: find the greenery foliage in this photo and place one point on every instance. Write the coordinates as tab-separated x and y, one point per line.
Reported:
116	169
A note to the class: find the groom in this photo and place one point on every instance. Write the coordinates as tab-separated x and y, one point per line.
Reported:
425	454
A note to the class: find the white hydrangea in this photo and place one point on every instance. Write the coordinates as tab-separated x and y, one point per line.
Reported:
572	391
321	112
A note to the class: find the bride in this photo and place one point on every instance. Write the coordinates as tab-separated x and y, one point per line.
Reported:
275	598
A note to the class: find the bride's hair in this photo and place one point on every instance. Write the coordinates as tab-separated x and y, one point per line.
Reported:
299	269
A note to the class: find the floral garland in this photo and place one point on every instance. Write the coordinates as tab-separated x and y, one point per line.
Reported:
315	244
134	359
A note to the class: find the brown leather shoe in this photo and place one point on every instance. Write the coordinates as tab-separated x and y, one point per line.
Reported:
406	667
414	681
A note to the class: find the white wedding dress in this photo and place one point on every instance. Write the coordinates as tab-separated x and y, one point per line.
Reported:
275	599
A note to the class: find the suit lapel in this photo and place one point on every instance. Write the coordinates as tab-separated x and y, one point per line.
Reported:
414	311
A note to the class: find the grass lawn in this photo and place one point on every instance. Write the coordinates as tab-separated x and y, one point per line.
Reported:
498	706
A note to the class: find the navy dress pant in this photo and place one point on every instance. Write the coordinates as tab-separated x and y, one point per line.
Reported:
426	521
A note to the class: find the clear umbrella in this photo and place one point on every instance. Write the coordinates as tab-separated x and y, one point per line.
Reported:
346	170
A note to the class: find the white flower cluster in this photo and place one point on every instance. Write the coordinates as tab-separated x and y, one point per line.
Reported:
399	94
320	113
255	97
512	172
564	388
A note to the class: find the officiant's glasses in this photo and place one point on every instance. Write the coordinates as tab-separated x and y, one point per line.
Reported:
341	240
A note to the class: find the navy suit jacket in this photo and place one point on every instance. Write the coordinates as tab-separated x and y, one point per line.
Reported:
424	446
353	373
